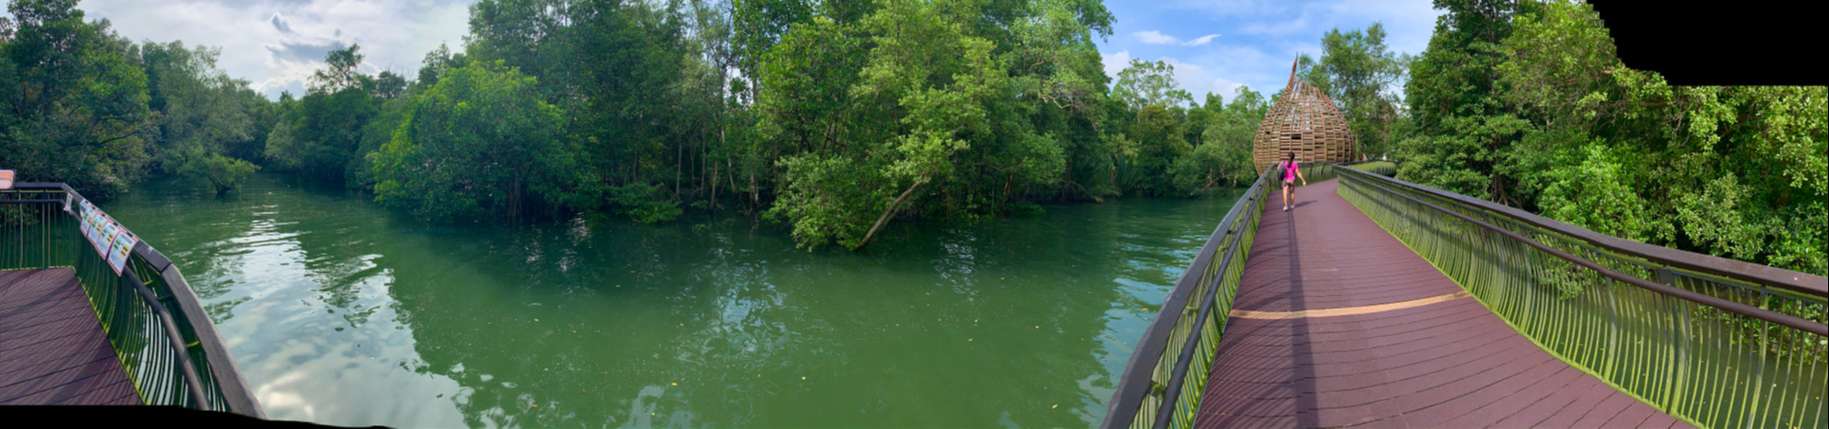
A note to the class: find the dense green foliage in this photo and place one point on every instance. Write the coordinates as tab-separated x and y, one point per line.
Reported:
321	134
1528	104
1357	70
835	118
85	106
476	143
75	100
923	109
838	118
203	117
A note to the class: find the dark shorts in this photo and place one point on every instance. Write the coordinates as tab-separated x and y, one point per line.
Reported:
1288	182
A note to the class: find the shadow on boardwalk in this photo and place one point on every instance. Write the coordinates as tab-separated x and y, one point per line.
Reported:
1423	357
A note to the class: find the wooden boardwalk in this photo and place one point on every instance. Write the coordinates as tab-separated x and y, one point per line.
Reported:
52	350
1339	324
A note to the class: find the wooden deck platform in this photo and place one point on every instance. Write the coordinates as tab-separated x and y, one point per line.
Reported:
52	350
1339	324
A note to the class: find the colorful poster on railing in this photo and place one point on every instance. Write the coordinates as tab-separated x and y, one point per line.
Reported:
92	230
123	245
87	220
109	239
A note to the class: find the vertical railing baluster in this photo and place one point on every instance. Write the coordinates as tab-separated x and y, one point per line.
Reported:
1694	360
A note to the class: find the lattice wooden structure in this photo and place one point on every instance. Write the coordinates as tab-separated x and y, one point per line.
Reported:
1303	120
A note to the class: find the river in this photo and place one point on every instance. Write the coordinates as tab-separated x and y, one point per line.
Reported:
340	312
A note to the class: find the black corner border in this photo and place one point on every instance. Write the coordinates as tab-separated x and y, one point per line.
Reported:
1713	43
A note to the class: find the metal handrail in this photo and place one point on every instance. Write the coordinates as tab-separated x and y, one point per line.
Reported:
1165	412
226	378
1137	387
1725	305
1136	384
1705	343
1777	277
1771	276
192	382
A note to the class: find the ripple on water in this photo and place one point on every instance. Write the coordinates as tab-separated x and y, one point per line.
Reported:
342	313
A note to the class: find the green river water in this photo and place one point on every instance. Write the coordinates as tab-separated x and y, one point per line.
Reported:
340	312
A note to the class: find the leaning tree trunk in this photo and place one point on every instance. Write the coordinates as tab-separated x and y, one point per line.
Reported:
889	212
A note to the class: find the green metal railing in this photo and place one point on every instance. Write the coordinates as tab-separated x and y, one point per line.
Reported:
1382	168
1162	384
1316	173
150	316
1715	342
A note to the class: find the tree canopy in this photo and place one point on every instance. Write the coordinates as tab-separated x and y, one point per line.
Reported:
1528	104
838	119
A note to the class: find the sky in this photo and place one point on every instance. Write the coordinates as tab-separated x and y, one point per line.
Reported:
276	44
1218	45
1214	45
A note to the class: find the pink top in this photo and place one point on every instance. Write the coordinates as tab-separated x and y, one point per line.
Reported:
1289	171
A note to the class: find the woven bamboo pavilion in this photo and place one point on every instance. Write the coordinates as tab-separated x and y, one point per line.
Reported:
1303	120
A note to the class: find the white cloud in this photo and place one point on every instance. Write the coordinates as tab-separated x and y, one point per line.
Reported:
1408	24
276	44
1232	66
1115	63
1221	69
1227	88
1231	7
1154	37
1206	73
1261	37
1296	49
1192	77
1277	28
1200	41
1198	79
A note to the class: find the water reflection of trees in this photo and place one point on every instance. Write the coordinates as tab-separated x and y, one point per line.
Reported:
342	241
215	238
715	324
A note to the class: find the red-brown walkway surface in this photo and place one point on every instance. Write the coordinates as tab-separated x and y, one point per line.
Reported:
1396	344
52	351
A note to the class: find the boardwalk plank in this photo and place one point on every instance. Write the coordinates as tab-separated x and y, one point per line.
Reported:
52	349
1444	364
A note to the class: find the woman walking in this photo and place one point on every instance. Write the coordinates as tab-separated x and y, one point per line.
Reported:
1290	172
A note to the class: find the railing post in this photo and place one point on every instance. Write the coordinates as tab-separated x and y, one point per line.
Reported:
1759	384
192	383
1677	334
1706	381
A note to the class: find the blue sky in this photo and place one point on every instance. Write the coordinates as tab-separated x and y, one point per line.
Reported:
1217	45
1214	45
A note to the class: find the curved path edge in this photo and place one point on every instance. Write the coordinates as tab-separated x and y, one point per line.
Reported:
1359	331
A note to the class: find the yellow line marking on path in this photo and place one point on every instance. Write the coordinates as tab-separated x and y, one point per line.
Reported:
1348	311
